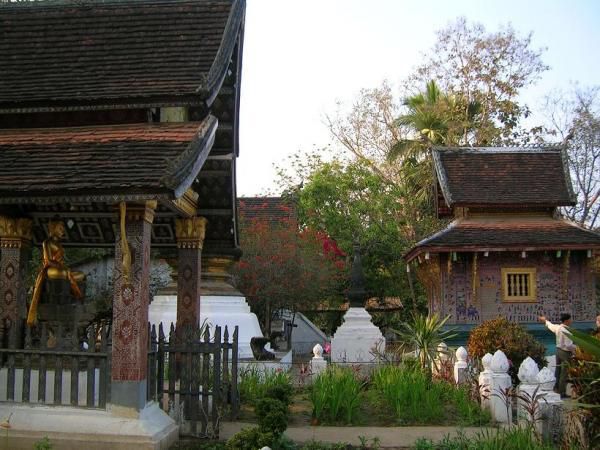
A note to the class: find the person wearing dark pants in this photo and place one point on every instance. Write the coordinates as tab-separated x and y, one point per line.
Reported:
564	350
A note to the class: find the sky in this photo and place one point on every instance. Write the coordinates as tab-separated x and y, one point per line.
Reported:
301	57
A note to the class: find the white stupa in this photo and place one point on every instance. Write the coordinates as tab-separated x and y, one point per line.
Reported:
357	340
220	305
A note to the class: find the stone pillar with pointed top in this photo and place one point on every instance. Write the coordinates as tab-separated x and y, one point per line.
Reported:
317	363
485	381
529	393
500	400
550	407
357	340
461	366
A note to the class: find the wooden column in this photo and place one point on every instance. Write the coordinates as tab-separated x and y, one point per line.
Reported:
130	306
15	247
190	238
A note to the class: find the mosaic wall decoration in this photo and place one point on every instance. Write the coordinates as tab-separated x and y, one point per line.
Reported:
457	287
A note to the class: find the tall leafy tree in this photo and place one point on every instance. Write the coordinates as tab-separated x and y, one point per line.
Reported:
489	68
286	267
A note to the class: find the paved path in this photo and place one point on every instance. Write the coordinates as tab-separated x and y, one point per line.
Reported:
390	437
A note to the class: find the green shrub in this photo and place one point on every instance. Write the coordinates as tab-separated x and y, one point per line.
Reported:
250	439
281	391
43	444
272	416
500	334
335	395
255	384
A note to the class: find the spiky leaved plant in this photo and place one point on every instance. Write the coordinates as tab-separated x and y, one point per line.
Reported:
423	335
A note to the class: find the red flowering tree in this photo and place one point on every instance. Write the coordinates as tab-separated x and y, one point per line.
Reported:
284	266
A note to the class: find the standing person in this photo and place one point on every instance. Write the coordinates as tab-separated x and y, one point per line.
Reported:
564	349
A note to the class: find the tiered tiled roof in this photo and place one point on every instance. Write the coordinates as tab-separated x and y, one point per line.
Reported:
58	54
518	177
508	233
128	159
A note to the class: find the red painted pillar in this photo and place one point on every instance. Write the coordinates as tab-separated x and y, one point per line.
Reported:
190	238
15	247
130	307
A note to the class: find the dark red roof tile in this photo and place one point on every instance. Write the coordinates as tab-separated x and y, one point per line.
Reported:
271	209
503	177
508	233
117	159
54	52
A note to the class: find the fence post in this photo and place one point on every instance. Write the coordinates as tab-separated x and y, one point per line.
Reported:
317	363
485	381
551	407
501	389
234	375
160	376
528	393
460	366
216	390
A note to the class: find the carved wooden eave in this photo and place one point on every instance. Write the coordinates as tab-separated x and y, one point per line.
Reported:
186	205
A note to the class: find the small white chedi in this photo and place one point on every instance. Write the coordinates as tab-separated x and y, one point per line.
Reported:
220	305
357	340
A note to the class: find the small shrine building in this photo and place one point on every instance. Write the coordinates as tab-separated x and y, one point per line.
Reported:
120	120
507	251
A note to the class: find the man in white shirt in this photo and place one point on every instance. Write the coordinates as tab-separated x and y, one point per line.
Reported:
564	349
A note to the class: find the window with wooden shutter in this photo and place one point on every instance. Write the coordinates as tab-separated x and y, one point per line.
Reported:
518	285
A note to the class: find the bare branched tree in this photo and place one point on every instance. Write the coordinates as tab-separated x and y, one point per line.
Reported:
575	119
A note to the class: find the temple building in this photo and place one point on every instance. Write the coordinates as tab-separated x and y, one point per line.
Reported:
118	129
507	251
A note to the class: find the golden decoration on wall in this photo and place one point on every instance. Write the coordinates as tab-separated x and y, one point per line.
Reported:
475	281
125	250
14	230
565	276
190	232
430	277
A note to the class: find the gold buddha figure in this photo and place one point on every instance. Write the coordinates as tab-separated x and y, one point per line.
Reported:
53	268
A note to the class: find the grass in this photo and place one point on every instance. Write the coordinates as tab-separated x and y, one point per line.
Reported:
515	438
414	400
335	396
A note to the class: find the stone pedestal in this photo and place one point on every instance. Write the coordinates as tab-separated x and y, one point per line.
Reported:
485	381
91	429
500	403
529	394
356	339
461	366
551	406
317	363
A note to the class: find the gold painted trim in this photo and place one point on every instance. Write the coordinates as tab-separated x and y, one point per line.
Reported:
14	232
190	232
187	204
532	297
